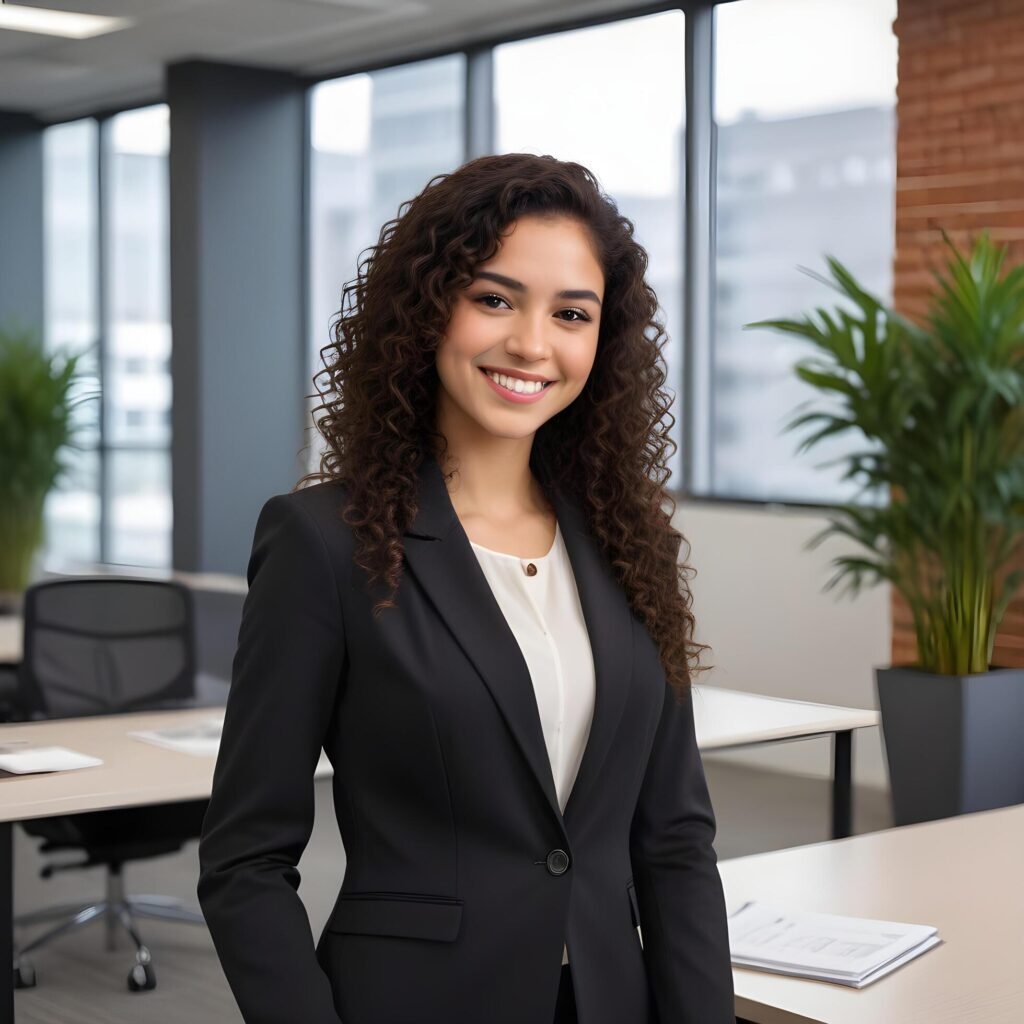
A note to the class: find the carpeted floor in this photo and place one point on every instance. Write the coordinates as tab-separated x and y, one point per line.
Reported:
81	982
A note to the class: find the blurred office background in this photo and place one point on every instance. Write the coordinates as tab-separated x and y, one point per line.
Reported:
189	193
276	181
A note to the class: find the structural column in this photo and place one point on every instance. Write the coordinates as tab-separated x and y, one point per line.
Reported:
21	220
240	363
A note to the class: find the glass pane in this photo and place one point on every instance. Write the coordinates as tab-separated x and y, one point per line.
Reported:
72	513
71	290
612	98
377	139
140	507
804	110
137	380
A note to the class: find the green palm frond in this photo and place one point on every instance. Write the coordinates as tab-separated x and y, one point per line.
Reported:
942	407
36	427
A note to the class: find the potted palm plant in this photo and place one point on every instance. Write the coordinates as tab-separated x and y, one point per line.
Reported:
942	409
35	427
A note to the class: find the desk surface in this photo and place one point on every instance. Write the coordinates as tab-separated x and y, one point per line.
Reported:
136	772
962	875
230	582
731	718
133	772
724	718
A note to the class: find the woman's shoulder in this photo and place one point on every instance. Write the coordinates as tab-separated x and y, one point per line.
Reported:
320	495
322	502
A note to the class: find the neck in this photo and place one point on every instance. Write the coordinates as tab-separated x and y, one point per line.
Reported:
493	480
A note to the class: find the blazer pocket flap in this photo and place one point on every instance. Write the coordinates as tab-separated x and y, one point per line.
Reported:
634	906
412	916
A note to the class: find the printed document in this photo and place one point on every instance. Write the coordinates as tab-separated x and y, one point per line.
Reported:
201	739
830	947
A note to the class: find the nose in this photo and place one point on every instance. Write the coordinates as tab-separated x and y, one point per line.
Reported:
529	339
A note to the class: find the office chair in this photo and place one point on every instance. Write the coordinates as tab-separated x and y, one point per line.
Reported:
106	645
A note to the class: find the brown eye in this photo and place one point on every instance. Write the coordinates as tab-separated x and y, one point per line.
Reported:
583	317
484	298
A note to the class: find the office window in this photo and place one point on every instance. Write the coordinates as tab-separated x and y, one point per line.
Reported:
620	112
804	114
377	139
137	385
119	506
71	311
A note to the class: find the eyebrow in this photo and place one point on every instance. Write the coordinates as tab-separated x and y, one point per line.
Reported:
518	286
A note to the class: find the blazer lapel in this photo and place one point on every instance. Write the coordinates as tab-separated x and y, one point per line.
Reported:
439	554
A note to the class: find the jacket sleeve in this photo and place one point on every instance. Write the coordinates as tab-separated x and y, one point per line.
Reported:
683	919
284	679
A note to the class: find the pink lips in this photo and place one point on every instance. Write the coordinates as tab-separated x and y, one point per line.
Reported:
512	396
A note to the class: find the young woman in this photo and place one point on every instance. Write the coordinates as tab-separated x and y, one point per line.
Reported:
478	611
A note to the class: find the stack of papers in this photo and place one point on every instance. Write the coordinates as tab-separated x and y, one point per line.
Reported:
200	739
24	758
847	950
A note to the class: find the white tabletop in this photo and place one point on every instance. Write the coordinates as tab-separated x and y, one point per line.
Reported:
229	582
136	772
723	718
962	875
730	718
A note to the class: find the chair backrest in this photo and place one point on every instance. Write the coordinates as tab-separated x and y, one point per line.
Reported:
100	645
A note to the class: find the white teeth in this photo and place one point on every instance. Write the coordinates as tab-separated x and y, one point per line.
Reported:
516	384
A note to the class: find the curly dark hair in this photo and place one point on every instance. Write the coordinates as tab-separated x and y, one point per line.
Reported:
608	449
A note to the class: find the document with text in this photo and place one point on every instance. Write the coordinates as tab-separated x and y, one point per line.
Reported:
200	739
828	947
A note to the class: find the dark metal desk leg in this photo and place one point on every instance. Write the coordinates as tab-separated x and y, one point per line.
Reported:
842	784
6	924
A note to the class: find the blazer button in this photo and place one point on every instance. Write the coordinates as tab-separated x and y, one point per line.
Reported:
558	862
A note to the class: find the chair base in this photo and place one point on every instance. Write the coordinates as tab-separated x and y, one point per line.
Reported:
116	910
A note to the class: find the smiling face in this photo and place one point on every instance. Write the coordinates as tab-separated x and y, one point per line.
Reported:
532	312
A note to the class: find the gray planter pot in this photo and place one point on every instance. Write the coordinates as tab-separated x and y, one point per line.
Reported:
954	744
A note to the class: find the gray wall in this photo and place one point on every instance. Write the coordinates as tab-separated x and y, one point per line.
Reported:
239	364
760	602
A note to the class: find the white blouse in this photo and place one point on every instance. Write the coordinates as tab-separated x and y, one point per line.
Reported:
540	602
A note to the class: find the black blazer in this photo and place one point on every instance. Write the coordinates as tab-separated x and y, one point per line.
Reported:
463	877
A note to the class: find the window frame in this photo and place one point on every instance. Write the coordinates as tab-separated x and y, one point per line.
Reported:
693	379
104	448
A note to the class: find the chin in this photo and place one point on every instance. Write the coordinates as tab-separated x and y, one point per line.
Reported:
509	435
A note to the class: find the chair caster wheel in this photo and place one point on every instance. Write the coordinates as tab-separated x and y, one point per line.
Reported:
24	975
141	978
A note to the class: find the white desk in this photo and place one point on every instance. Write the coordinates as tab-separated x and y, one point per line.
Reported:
133	773
137	773
726	719
734	718
230	582
962	875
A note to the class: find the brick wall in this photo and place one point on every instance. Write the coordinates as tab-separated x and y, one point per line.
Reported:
959	166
